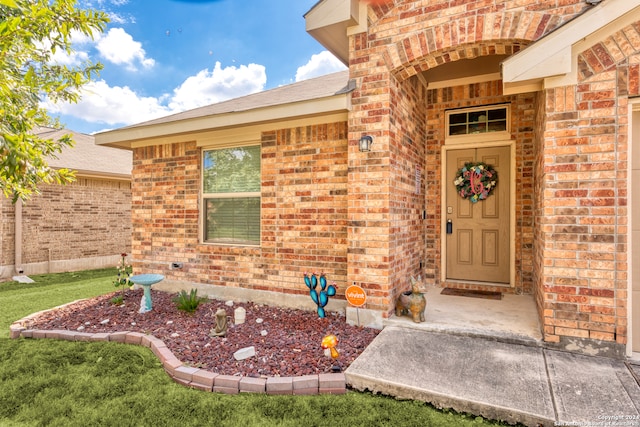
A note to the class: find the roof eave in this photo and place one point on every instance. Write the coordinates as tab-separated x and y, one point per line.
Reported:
135	136
331	21
83	173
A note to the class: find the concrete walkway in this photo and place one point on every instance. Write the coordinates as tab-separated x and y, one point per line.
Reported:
497	379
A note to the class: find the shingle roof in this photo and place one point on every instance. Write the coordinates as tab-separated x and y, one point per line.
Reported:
306	90
87	157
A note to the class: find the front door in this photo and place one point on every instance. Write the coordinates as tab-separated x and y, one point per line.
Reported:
477	240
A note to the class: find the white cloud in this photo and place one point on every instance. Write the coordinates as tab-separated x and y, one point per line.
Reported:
102	103
320	64
208	87
71	60
107	6
117	18
115	105
79	55
119	47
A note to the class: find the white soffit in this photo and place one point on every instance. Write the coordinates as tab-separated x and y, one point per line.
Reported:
328	22
552	60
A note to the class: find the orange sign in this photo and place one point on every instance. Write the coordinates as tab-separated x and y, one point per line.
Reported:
355	295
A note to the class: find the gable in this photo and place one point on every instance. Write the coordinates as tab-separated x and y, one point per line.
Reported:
553	60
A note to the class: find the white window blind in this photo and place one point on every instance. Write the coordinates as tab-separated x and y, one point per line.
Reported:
231	193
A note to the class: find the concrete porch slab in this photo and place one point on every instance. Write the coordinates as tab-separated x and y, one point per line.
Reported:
593	390
489	378
513	319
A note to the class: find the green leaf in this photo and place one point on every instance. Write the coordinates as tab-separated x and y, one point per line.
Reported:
9	3
26	76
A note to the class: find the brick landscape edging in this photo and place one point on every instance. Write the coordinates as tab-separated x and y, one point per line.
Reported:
201	379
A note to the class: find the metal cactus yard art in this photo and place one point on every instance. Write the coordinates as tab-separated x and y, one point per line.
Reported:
320	297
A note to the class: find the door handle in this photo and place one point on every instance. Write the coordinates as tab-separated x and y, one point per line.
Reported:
449	226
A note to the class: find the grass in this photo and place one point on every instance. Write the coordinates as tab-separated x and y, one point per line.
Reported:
50	290
61	383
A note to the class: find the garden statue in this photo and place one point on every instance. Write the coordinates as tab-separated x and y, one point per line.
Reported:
321	298
412	302
221	324
329	344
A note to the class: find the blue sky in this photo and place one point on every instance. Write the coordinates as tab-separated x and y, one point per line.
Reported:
165	56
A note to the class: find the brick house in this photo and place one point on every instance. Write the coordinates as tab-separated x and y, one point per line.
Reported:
546	92
82	225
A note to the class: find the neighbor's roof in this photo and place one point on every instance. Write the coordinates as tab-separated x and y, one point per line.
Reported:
87	158
310	97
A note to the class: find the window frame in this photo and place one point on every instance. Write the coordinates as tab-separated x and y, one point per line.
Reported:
204	197
480	136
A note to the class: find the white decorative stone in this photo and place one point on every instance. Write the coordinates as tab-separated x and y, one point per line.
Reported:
244	353
104	322
170	322
87	323
263	333
239	315
175	335
80	328
229	303
259	320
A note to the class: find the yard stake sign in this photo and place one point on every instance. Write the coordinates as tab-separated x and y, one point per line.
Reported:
355	296
476	181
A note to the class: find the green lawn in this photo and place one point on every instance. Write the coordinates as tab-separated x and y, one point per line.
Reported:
50	290
61	383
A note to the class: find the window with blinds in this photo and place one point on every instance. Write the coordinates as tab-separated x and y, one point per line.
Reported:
231	195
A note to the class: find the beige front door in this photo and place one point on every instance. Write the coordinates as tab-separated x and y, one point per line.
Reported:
477	240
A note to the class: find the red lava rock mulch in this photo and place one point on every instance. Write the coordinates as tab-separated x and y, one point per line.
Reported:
287	341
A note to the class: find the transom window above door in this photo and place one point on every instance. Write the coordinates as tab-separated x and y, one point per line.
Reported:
486	122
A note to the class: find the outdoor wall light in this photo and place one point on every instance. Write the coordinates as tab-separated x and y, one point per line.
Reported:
365	143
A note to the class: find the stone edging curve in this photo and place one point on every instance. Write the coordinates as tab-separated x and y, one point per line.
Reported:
201	379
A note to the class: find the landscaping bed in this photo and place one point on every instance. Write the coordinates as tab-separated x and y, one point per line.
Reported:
286	341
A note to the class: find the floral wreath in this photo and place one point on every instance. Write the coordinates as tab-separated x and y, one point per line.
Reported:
475	181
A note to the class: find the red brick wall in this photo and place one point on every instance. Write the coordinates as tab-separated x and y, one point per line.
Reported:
571	152
415	35
403	40
7	242
539	237
85	219
584	195
303	215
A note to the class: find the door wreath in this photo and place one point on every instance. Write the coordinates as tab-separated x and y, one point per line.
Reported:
476	181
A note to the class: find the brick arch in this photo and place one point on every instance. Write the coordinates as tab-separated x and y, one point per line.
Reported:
467	37
619	51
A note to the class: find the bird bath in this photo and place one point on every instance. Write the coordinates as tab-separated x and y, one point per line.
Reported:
146	280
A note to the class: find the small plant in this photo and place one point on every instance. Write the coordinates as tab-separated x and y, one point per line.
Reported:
117	300
188	302
122	280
